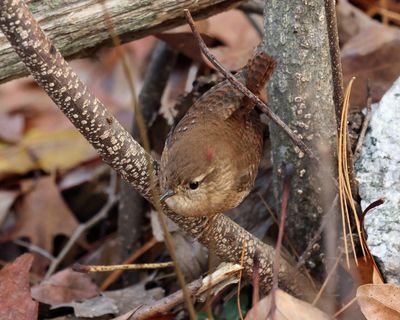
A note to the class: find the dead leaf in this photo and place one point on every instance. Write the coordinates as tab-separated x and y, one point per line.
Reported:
239	42
287	307
351	21
11	127
371	55
96	307
63	149
42	215
15	296
116	302
186	43
379	301
65	286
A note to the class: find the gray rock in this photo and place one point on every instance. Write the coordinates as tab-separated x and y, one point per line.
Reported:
378	172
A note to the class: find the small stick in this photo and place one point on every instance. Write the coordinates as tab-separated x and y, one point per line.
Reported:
137	266
239	281
134	256
219	278
112	199
328	277
243	89
345	307
285	199
34	248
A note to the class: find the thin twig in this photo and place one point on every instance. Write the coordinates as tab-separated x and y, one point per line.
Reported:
364	127
34	248
221	277
275	272
345	307
290	243
137	266
112	199
135	255
242	88
239	282
336	64
328	277
337	80
163	305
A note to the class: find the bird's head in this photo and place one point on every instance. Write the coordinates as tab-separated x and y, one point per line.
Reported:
194	182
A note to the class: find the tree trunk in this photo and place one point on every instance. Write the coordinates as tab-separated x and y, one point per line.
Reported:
301	94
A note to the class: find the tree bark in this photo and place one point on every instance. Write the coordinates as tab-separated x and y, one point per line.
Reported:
301	94
78	29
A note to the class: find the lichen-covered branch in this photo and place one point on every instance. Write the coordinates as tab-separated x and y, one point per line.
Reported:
77	28
123	153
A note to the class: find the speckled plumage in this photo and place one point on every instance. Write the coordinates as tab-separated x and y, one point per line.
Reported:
217	144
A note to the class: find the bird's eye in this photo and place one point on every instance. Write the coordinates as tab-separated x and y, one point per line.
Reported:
194	185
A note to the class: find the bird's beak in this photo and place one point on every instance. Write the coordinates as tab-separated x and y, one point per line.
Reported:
167	194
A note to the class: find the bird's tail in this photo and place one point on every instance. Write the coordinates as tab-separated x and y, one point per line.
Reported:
259	70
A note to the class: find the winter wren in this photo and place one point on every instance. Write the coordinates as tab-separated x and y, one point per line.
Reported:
211	157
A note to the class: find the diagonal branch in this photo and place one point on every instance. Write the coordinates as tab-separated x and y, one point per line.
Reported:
118	149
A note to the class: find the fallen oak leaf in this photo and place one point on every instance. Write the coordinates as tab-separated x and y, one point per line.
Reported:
65	286
15	296
42	215
379	301
287	307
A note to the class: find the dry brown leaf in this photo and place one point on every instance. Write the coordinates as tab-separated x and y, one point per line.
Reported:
63	149
379	301
351	21
186	43
63	287
15	295
239	42
373	54
42	215
23	95
287	307
11	127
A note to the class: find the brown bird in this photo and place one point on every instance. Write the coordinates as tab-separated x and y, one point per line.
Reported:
211	157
